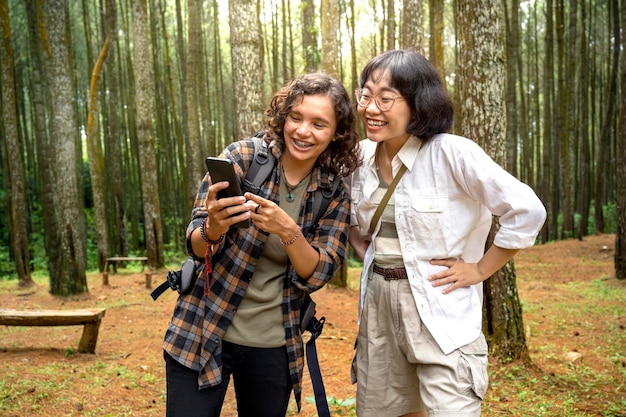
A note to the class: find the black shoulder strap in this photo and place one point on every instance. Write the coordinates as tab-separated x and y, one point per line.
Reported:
260	168
262	164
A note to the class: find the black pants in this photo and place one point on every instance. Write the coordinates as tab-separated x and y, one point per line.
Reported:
261	378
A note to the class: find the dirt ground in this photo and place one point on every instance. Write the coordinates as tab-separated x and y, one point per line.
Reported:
41	371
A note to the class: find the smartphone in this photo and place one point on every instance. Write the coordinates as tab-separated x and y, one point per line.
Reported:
221	169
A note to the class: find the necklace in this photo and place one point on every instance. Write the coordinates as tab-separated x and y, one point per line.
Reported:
289	196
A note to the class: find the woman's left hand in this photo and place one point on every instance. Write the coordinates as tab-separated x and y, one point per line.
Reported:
458	275
268	216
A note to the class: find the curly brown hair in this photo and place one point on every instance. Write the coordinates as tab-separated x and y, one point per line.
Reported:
342	156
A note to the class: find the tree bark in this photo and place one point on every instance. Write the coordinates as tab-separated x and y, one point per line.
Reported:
13	174
309	37
482	74
620	235
330	43
247	65
413	25
95	159
113	108
142	61
435	50
391	24
512	77
194	160
68	258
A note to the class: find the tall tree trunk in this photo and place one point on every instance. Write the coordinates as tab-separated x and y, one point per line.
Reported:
413	25
512	78
605	167
194	160
584	164
482	75
391	24
13	174
620	209
563	121
38	42
309	38
147	159
95	159
436	36
247	65
68	259
113	139
551	174
330	42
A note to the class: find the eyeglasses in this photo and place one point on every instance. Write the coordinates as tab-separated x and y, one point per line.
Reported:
383	103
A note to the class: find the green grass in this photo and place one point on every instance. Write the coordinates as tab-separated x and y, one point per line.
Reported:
584	315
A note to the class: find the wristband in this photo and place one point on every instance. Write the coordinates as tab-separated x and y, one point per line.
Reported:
293	239
206	238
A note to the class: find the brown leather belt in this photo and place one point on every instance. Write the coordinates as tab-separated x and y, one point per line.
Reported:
391	274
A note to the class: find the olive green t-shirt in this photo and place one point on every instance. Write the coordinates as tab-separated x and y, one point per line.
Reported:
259	318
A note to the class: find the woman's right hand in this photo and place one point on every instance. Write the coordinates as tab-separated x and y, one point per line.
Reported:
224	212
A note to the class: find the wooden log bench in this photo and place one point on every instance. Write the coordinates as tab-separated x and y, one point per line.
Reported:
89	318
113	261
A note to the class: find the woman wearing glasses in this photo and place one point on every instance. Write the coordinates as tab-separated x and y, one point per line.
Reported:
422	205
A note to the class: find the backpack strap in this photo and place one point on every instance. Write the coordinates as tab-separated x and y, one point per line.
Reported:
259	170
261	166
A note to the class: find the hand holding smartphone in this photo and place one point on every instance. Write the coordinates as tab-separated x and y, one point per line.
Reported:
221	169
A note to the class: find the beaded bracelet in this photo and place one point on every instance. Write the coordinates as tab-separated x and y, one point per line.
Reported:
293	239
205	237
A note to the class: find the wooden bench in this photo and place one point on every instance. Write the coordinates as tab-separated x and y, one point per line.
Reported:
113	261
89	318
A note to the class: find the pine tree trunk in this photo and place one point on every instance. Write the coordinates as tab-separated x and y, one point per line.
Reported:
482	75
620	236
142	60
68	259
330	28
13	175
194	160
309	42
247	65
95	159
413	25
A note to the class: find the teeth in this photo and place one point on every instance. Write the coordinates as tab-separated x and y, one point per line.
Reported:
376	123
302	144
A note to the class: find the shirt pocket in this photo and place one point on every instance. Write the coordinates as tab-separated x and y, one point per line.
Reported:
430	215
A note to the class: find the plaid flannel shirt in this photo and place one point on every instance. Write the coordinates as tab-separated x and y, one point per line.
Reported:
199	322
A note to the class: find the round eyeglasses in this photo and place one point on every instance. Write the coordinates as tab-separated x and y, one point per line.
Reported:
384	103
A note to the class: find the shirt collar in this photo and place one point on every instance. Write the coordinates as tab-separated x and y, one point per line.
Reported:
407	154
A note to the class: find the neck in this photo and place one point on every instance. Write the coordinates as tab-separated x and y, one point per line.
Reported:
393	145
295	170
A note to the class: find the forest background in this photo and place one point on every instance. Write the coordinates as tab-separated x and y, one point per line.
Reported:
109	108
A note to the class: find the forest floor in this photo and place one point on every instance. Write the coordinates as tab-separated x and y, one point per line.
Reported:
571	300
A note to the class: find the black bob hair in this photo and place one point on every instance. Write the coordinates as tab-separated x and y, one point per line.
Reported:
418	81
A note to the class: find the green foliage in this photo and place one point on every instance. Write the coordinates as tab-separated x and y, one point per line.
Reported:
7	266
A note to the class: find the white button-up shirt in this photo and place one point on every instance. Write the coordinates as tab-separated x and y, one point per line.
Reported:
443	209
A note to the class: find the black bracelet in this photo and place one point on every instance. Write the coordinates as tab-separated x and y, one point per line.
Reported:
205	237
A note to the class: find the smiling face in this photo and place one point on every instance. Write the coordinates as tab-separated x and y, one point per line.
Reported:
309	128
388	125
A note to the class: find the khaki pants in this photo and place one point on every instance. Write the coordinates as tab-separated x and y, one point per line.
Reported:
399	368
